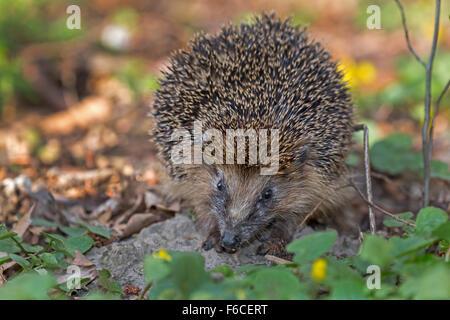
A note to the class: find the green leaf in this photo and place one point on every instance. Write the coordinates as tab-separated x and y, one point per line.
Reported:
21	261
224	269
392	154
49	260
69	245
188	271
348	289
96	295
73	232
30	248
164	289
429	219
155	269
377	250
82	244
104	279
440	170
58	244
250	268
7	244
338	269
30	286
8	235
274	283
403	246
4	259
312	246
432	284
52	236
96	230
392	223
443	231
42	223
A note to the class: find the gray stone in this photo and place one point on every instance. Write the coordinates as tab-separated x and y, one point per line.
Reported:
125	259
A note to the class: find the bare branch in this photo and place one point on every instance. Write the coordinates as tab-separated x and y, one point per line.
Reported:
367	173
426	133
436	110
375	206
277	260
405	28
438	101
311	213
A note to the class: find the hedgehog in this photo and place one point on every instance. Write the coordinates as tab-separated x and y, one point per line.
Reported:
261	75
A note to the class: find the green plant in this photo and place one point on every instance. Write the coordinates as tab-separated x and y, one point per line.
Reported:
413	266
38	259
394	155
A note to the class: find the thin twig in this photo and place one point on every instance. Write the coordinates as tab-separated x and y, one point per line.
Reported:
130	211
438	101
311	213
427	131
367	174
147	287
436	110
426	136
277	260
405	28
384	211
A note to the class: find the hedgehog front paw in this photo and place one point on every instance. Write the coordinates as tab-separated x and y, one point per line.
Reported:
274	247
213	241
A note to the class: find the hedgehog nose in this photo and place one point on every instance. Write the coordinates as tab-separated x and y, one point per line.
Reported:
230	240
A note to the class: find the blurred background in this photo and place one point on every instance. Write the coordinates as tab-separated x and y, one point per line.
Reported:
74	101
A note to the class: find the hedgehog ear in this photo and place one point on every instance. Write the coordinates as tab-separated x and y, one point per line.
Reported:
302	156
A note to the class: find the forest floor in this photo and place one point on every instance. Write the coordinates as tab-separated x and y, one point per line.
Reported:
80	154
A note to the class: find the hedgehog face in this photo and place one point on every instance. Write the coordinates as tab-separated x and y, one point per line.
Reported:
243	203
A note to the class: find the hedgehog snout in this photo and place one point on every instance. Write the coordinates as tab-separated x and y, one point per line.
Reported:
230	240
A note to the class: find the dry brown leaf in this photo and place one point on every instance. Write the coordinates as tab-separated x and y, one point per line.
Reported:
6	265
22	226
2	278
81	260
139	221
105	218
130	211
65	178
131	290
89	111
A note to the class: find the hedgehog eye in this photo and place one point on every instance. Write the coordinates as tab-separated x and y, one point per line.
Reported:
220	185
267	194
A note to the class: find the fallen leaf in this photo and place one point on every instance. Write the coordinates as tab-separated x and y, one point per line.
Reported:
21	227
81	260
131	290
139	221
89	111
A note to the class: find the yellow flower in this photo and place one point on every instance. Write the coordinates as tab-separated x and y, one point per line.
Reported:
162	254
366	72
356	73
319	269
